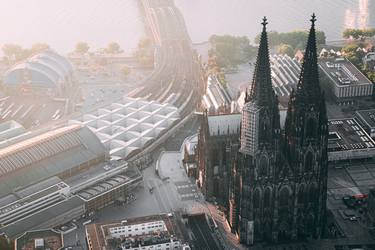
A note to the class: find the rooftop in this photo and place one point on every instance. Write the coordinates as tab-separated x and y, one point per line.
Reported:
216	96
126	126
347	136
104	184
342	72
45	155
39	240
224	124
45	69
10	129
41	216
367	116
99	233
285	74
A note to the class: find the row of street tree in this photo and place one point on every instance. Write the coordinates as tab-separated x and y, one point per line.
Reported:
15	53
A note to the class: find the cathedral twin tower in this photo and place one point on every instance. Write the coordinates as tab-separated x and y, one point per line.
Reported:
278	184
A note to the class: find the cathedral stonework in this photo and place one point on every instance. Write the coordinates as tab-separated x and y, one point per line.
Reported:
278	178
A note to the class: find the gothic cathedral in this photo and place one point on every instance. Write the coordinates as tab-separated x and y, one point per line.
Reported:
278	184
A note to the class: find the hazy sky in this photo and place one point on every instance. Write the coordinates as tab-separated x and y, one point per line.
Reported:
62	23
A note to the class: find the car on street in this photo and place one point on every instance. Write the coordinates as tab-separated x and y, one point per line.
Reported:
349	201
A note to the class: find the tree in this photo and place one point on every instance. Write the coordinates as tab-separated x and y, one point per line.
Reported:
296	39
13	52
144	43
102	61
39	47
5	244
145	52
358	33
113	48
82	48
353	53
285	49
125	71
230	51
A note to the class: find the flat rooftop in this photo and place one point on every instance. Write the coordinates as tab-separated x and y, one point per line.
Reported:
342	72
347	134
99	233
32	198
33	221
348	140
128	176
43	239
367	116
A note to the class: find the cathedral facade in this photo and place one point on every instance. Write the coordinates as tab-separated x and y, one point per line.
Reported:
278	178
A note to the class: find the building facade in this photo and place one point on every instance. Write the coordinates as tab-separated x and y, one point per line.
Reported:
154	232
277	178
345	80
216	136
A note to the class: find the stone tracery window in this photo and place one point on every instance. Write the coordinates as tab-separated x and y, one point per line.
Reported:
284	197
267	198
256	198
310	128
263	165
309	162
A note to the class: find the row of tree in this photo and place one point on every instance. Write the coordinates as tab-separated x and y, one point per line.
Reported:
231	51
358	33
112	48
145	52
14	52
354	53
289	42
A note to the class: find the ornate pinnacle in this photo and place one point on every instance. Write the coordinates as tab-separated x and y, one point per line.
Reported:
264	23
313	19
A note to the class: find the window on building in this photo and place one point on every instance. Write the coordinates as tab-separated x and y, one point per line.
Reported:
301	197
312	194
310	128
267	198
309	161
257	198
263	165
284	197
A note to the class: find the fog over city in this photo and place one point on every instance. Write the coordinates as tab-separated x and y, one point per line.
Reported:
63	23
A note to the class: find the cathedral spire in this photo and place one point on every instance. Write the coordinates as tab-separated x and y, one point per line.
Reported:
308	86
261	87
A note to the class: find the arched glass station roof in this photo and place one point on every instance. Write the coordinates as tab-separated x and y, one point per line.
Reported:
46	69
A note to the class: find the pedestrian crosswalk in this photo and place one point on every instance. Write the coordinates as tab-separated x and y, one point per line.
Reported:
187	190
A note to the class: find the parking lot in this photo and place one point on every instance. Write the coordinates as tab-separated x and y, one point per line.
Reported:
348	181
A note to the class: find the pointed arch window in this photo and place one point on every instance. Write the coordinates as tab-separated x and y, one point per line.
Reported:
301	195
284	197
309	161
263	165
310	128
264	130
267	198
312	194
256	199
